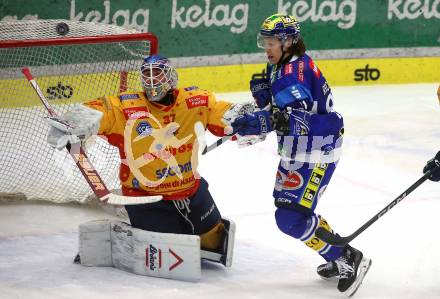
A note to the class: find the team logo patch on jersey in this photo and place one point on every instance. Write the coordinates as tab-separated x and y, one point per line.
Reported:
130	96
288	69
314	68
144	128
197	101
190	88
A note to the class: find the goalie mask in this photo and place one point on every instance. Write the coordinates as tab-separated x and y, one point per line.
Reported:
158	77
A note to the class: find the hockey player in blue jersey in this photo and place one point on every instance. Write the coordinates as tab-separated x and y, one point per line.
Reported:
309	139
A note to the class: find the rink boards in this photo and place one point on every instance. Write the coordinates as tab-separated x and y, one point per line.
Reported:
340	72
224	78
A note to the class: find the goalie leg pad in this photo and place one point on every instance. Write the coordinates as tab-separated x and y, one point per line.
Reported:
165	255
95	243
115	243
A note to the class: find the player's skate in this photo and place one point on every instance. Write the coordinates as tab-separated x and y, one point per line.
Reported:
352	268
328	271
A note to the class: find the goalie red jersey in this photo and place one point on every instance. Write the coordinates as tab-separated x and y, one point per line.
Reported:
159	151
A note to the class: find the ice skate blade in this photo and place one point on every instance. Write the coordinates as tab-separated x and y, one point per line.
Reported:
332	279
363	268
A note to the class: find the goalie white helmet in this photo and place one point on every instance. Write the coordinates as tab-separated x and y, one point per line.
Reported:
158	77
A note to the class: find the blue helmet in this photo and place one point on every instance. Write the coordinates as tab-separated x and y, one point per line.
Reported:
279	26
158	77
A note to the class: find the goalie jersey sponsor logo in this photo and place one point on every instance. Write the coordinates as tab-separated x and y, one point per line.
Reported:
131	96
135	112
197	101
191	88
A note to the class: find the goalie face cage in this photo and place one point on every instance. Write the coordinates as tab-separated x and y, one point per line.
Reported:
89	61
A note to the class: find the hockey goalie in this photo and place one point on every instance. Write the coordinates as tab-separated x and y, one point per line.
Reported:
157	131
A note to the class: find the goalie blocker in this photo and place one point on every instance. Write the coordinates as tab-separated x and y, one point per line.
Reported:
174	256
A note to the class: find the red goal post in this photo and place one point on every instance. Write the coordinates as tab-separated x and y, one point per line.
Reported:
83	40
89	61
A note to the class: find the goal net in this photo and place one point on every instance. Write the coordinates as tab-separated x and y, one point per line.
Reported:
72	64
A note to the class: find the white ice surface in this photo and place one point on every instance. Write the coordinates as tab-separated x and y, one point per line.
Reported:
391	131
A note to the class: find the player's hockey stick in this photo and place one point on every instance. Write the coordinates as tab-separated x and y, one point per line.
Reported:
337	240
82	161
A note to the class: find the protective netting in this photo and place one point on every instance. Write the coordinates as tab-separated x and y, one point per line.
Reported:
90	61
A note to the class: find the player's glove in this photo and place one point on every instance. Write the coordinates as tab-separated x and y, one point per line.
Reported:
76	125
434	166
261	91
236	110
292	122
256	123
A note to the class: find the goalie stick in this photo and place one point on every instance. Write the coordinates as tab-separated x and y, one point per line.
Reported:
219	142
82	161
337	240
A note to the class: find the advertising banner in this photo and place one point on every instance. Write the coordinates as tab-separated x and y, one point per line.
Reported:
188	28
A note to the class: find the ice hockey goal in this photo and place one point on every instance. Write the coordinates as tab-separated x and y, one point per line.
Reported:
72	62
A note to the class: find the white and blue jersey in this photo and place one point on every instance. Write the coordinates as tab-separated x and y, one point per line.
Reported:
309	152
300	80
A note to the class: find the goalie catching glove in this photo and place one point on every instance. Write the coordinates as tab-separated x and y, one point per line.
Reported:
78	124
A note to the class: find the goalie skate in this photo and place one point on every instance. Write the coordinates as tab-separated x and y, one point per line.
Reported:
225	253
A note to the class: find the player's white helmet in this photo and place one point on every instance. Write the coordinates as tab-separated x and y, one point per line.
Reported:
158	77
